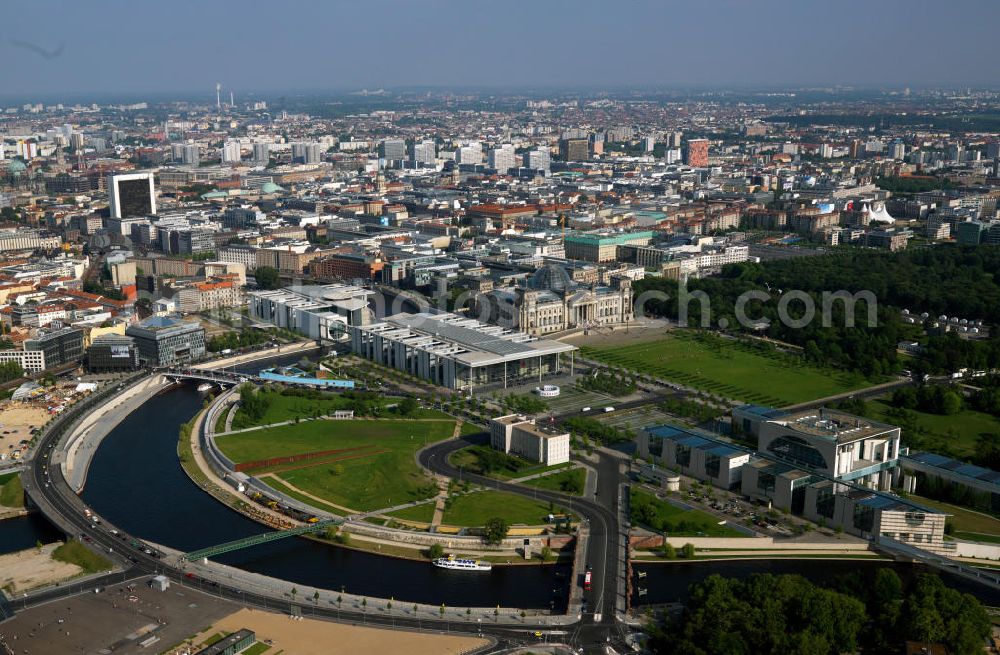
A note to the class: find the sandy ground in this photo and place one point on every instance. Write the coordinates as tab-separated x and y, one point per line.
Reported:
312	637
30	568
17	419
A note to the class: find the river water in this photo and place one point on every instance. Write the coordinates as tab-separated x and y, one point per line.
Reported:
136	482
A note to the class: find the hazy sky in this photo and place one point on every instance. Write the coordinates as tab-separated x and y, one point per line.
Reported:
139	46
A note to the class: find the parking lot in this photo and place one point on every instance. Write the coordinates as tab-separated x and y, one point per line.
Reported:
119	619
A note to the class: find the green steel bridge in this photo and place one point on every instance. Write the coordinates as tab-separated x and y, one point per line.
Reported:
258	539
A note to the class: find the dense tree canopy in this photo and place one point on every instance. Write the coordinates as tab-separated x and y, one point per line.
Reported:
267	277
936	280
788	614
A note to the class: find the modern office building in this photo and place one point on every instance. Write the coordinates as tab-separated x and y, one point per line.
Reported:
317	311
112	352
30	361
458	352
60	347
423	153
164	341
131	195
520	435
574	149
678	448
603	247
195	240
827	441
969	233
392	150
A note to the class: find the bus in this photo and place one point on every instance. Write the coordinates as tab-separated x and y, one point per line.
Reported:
587	580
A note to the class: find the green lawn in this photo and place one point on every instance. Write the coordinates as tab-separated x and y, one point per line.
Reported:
369	481
11	491
285	489
559	481
974	524
73	552
471	459
287	408
476	508
257	649
729	368
421	513
678	522
954	434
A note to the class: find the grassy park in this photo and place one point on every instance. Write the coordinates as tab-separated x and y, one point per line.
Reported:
376	468
729	368
420	513
568	481
11	491
495	464
955	434
476	508
663	516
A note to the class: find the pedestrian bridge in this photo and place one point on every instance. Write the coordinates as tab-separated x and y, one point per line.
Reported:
258	539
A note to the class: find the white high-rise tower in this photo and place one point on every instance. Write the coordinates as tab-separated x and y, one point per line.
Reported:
218	97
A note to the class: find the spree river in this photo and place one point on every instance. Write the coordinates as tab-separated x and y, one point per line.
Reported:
136	482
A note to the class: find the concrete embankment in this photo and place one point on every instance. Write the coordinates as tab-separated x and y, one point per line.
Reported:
277	351
81	445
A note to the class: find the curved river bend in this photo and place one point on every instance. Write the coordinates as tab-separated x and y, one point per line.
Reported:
135	480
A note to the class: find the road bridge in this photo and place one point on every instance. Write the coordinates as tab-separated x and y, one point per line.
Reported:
899	549
224	378
47	489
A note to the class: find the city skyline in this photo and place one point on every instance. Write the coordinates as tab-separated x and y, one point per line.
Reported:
251	47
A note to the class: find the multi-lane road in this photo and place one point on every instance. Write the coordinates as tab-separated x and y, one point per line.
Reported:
49	491
603	555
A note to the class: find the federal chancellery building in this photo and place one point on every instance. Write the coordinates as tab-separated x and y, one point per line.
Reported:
828	466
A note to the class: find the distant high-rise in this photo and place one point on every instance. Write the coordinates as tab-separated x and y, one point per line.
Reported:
261	153
131	194
956	152
423	152
993	149
538	159
502	159
218	96
574	149
697	153
826	151
898	150
675	139
392	150
305	153
231	152
649	143
470	154
177	151
190	155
